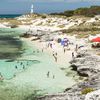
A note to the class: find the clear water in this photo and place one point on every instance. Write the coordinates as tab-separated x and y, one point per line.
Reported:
27	71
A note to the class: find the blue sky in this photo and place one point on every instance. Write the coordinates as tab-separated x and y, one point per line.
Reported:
42	6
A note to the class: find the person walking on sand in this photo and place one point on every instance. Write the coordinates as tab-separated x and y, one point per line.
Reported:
55	58
64	50
56	53
50	45
73	55
76	48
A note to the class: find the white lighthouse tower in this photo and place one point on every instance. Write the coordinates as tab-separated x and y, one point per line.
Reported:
32	9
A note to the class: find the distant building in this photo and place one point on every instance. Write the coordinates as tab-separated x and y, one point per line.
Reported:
32	9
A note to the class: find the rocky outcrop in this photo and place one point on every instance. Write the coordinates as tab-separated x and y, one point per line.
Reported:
86	64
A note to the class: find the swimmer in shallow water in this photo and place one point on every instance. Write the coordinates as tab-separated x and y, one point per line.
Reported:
48	74
16	67
23	67
53	76
21	63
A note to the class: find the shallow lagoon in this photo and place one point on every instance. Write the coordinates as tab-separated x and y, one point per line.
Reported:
30	73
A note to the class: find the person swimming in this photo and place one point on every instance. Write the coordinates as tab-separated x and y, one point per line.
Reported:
23	67
16	67
21	63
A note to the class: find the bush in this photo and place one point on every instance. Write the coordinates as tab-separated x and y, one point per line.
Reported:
87	90
43	16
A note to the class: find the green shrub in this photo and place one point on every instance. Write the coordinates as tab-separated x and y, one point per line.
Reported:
87	90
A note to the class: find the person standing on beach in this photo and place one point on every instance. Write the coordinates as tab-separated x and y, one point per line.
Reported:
64	50
50	45
56	53
76	48
55	58
73	55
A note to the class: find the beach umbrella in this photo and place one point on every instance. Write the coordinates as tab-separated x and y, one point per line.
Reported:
65	40
97	39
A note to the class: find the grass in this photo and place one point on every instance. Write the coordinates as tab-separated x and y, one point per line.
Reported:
83	30
61	26
87	90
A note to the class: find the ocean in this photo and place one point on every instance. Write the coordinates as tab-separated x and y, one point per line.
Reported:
9	15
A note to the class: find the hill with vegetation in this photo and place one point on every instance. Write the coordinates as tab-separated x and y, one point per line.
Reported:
88	12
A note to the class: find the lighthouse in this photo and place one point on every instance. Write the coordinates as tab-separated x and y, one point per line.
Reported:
32	7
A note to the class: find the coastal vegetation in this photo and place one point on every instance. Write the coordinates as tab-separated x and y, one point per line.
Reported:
88	12
87	90
83	30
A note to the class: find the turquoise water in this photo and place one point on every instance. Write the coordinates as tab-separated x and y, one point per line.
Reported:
28	70
11	48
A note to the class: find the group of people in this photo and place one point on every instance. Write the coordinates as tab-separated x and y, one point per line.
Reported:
22	64
48	75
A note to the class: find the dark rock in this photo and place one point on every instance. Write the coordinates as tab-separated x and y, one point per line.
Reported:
67	89
84	74
74	67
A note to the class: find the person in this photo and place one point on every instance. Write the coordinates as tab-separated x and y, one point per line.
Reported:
14	75
53	76
76	48
55	58
64	50
73	55
16	67
48	74
50	45
33	51
23	67
56	53
21	63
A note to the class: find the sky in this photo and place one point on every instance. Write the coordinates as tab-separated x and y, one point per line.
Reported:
43	6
